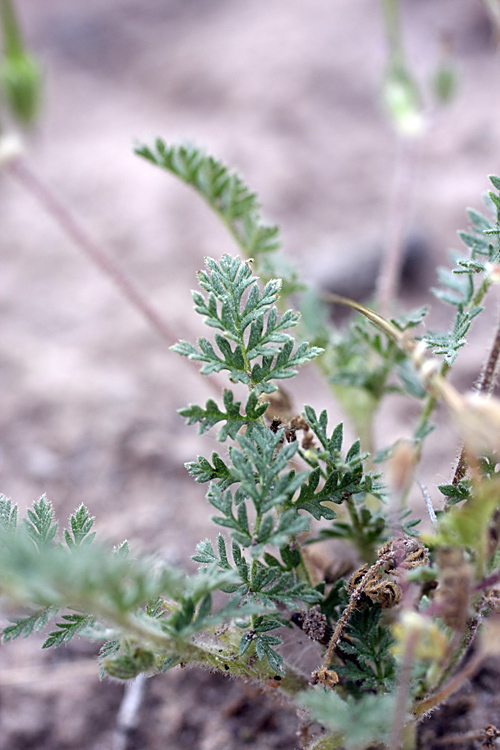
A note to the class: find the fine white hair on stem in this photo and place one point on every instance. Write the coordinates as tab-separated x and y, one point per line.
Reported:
428	502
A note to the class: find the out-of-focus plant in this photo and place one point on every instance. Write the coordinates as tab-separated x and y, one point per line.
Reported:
20	75
392	635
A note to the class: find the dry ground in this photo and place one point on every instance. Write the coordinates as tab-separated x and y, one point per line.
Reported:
289	93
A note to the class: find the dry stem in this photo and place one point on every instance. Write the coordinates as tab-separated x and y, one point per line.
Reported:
344	619
399	210
451	687
95	253
484	384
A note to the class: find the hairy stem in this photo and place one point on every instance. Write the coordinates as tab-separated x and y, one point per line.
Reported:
392	22
128	714
451	687
346	615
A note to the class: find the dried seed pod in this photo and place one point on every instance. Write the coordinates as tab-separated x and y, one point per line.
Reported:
299	423
307	441
275	425
325	677
313	624
405	552
416	558
356	578
385	593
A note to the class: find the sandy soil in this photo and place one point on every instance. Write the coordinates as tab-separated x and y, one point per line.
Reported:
288	93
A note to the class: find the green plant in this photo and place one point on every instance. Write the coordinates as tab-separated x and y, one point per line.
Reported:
20	78
392	635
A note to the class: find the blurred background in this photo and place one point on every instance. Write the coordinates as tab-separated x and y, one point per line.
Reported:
292	95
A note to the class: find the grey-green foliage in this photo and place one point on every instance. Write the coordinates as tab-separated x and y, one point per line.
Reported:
264	487
256	350
260	501
343	479
253	344
110	594
358	723
148	613
232	417
234	203
467	283
360	357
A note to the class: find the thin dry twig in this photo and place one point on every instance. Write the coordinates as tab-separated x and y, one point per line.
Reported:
73	228
346	615
428	704
399	212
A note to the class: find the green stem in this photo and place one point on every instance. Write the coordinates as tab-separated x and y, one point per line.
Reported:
328	741
458	647
428	704
302	571
313	463
204	653
431	401
11	31
366	550
481	293
353	514
392	21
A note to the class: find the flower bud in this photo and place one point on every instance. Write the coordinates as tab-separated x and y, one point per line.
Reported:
20	80
402	102
445	83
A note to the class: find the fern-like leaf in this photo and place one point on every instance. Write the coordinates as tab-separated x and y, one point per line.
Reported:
224	191
26	625
8	514
40	523
252	344
466	285
81	524
210	415
67	629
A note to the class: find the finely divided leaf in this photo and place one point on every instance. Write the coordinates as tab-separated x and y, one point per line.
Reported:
40	524
224	191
